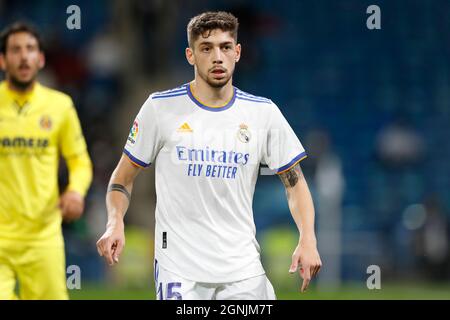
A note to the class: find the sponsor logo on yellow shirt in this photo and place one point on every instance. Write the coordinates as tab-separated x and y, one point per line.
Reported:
45	123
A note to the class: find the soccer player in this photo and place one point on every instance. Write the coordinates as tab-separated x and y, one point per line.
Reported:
207	140
37	124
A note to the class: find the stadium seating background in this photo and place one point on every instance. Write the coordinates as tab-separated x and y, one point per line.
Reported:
341	86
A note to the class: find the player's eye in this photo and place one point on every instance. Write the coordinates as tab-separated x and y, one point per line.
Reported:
205	49
31	47
15	49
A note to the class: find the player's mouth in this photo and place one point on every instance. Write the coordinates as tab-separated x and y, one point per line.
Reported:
24	66
23	69
218	72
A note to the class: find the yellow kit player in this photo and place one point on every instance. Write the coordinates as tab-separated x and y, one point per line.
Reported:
37	125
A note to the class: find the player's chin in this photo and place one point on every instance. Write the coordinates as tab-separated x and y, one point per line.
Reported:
23	80
217	82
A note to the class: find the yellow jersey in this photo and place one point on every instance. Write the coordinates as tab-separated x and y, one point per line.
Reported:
35	129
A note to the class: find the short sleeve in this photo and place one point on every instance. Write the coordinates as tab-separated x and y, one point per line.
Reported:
143	142
282	149
72	140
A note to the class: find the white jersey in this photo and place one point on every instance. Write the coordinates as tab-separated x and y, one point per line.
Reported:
206	164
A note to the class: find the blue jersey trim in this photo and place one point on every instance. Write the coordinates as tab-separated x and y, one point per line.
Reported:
251	96
135	160
214	109
253	100
179	89
301	156
182	93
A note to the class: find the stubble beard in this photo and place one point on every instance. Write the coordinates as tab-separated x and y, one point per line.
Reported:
21	85
216	84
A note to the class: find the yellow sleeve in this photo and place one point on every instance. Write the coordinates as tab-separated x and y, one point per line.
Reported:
80	173
74	150
72	140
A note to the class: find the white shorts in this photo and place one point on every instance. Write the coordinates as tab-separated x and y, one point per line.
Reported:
170	286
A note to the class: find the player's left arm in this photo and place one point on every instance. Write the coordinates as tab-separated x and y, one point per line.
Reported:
74	150
301	206
80	177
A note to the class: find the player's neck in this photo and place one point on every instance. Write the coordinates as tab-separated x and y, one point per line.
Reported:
212	96
19	88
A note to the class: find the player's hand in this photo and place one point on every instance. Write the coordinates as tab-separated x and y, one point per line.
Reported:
307	257
111	243
71	204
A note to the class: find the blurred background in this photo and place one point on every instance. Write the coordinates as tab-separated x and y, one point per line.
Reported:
371	107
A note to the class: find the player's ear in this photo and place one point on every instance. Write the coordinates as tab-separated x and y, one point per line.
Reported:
41	60
238	52
2	62
190	56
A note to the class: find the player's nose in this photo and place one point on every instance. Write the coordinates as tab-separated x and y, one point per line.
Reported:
24	57
217	56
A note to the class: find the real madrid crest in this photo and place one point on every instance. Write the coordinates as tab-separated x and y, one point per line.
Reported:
244	134
45	123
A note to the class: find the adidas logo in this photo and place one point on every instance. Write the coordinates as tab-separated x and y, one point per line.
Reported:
184	128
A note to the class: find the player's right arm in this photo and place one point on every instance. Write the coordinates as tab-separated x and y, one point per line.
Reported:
111	243
142	146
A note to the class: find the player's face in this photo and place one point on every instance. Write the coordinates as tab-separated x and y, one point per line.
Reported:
22	59
214	57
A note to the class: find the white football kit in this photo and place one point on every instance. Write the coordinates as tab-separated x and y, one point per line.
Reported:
207	162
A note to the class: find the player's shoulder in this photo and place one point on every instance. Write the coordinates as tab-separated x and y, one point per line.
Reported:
3	90
162	100
169	94
248	97
264	106
57	98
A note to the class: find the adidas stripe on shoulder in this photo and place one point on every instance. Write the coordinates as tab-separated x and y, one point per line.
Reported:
250	97
179	91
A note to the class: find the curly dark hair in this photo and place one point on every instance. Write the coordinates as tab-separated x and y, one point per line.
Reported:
16	28
203	24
